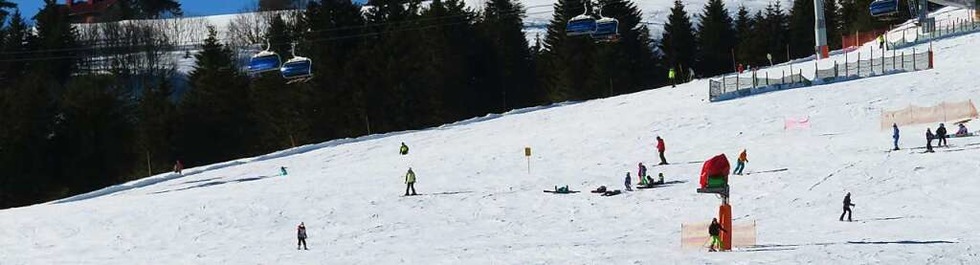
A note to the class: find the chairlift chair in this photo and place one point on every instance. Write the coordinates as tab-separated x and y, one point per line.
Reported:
264	61
606	29
583	24
297	69
884	9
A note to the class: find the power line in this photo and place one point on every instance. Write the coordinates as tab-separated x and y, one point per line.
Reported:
136	49
372	25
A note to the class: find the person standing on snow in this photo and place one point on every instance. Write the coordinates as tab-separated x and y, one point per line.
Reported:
941	136
740	165
847	208
301	236
627	182
660	149
929	137
403	150
178	167
671	74
410	182
714	230
641	171
895	135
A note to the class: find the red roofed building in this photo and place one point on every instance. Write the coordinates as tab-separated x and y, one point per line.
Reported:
93	11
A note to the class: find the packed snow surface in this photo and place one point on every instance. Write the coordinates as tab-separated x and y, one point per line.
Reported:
479	204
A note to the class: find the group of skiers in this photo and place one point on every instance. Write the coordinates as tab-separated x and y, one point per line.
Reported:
940	136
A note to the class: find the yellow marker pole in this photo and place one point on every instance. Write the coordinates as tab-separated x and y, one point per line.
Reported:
527	153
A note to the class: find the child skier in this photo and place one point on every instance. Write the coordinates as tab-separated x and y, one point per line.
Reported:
403	150
714	230
627	182
301	236
641	171
282	171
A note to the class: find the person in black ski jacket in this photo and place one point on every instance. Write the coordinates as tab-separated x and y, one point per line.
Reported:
929	137
847	208
941	136
715	230
301	236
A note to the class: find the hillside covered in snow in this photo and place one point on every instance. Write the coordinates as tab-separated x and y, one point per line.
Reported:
482	200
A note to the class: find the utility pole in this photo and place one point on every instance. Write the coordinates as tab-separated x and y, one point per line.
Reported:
820	29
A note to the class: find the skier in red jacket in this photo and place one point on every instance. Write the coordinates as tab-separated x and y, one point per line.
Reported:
660	149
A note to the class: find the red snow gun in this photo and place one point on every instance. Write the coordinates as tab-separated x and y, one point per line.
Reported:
714	175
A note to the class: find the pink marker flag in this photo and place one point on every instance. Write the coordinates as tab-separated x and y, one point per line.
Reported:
797	123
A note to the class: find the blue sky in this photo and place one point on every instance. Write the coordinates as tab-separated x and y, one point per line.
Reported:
190	7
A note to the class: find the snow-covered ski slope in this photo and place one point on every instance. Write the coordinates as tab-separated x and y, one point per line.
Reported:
481	206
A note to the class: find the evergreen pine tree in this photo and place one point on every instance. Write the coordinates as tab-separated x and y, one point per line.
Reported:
55	41
628	64
510	64
155	124
338	109
743	35
213	116
715	39
92	135
801	33
678	42
567	61
277	108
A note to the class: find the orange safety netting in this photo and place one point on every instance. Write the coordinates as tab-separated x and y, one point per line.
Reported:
943	112
695	235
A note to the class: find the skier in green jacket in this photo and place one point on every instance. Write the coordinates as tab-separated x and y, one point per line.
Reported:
410	182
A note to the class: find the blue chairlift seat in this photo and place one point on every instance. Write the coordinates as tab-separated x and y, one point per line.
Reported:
607	29
264	61
580	25
883	8
297	69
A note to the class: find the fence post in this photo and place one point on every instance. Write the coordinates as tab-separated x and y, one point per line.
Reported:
767	78
738	85
903	61
846	73
913	60
882	62
930	55
893	60
836	71
859	65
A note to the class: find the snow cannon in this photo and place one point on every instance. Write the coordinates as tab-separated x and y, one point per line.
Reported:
714	176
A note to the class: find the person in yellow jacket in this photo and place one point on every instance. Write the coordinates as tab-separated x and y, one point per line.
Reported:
410	182
742	159
671	74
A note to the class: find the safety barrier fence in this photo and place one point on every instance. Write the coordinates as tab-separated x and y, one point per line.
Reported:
757	82
939	30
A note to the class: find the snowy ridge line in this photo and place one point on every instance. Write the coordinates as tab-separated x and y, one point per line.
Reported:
159	178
